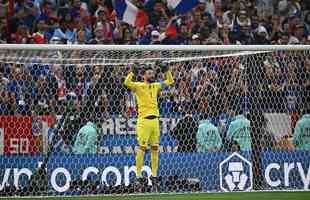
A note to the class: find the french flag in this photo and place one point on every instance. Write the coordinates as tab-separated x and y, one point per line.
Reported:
129	13
182	6
173	27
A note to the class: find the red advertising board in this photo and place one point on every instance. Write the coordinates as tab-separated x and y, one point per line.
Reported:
22	134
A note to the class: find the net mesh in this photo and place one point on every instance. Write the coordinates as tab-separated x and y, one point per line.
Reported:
232	121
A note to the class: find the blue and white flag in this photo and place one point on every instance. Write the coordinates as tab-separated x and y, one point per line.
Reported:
182	6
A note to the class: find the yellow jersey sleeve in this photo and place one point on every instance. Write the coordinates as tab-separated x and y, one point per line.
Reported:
129	83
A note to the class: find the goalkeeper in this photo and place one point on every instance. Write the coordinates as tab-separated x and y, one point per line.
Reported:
147	128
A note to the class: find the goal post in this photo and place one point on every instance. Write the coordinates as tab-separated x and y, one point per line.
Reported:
235	119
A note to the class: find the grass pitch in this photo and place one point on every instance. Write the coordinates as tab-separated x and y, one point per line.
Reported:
188	196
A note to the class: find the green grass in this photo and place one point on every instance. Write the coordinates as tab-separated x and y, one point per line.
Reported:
195	196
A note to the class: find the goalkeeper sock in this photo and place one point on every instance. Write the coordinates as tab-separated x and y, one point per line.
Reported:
154	161
139	160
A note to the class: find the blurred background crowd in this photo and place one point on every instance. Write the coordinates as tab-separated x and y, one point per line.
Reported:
214	88
210	22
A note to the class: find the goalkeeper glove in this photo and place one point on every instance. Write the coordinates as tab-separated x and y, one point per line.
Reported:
135	69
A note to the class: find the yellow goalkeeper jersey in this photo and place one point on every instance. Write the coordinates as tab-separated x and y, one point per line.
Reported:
146	94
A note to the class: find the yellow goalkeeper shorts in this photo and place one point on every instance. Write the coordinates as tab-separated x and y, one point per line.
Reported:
148	132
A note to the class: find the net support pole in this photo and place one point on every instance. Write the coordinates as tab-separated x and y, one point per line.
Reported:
255	79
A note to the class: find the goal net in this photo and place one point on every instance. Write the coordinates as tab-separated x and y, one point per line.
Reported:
235	119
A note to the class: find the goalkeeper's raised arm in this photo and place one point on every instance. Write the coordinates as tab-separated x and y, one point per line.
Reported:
169	78
148	78
129	83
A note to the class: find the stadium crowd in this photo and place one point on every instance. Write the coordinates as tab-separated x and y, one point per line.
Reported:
210	22
215	89
212	88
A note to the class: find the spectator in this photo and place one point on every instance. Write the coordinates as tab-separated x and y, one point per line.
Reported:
183	37
284	38
224	119
208	137
265	136
71	124
65	32
223	33
4	95
206	90
3	80
236	88
4	31
206	83
240	131
195	24
293	93
21	35
307	23
20	88
79	83
81	37
3	8
115	91
254	22
97	6
275	29
129	35
105	27
145	37
78	10
97	89
299	33
183	89
41	34
230	14
86	26
31	12
86	139
185	131
155	37
262	36
196	40
305	72
47	14
98	39
272	88
308	40
42	99
158	13
203	25
96	75
59	86
245	36
101	108
301	138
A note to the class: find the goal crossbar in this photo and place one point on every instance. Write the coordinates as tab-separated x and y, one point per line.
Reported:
154	47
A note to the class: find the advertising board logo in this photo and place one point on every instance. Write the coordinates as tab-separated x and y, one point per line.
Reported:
236	174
